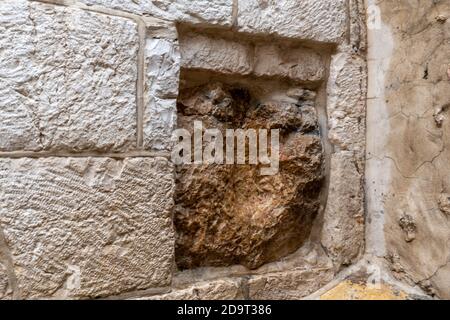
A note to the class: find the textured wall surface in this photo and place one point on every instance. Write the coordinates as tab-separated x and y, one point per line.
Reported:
68	79
407	140
88	104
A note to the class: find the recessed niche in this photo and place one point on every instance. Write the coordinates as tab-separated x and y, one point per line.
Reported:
231	214
228	214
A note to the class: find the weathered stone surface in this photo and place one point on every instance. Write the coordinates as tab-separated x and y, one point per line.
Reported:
84	227
230	214
319	20
193	11
161	91
229	56
300	64
67	79
444	203
226	289
346	103
343	227
221	55
408	139
290	285
4	283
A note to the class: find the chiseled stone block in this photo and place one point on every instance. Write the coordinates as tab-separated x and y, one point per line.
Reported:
226	56
289	285
162	60
67	79
299	64
87	227
318	20
215	54
226	289
193	11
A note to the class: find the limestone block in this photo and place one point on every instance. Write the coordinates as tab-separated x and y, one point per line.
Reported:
160	118
262	60
220	55
87	227
343	226
318	20
68	79
296	63
161	90
226	289
291	285
193	11
346	103
163	67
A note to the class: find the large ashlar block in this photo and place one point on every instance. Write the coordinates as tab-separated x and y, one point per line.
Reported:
67	79
318	20
87	227
193	11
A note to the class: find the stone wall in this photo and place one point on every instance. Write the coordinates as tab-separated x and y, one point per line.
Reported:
91	205
407	175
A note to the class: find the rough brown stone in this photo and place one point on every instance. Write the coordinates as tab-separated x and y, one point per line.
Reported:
230	214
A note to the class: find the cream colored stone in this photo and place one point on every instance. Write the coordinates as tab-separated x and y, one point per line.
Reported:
346	103
319	20
343	227
215	54
299	64
410	141
161	90
85	227
160	118
67	79
204	52
289	285
192	11
227	289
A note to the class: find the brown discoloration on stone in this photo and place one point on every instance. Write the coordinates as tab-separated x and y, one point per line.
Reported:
444	203
409	227
230	214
